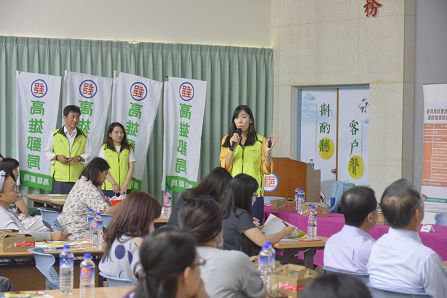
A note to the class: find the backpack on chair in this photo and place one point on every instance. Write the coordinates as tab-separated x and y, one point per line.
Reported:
337	191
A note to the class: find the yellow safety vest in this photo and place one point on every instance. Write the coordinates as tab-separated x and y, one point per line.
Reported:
119	166
248	160
61	146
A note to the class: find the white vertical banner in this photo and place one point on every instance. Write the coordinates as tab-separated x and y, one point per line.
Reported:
92	95
434	168
353	123
184	105
135	102
319	130
37	101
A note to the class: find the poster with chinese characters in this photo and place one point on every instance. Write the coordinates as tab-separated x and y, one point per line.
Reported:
37	99
319	130
353	123
92	95
184	105
434	168
135	103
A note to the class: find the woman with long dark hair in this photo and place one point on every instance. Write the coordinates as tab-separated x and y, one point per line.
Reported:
239	231
132	222
120	156
244	150
212	185
171	266
237	276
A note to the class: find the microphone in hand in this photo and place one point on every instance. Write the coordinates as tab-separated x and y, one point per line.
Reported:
233	144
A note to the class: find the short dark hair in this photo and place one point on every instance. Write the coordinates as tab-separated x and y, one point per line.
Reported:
213	184
336	286
164	255
71	109
8	165
399	202
132	218
238	194
357	203
202	217
94	167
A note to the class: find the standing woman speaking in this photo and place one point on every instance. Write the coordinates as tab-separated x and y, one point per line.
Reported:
243	150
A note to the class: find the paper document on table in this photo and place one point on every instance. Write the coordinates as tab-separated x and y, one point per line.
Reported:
274	224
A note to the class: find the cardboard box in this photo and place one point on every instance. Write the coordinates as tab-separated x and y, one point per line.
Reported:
322	209
283	205
289	280
12	241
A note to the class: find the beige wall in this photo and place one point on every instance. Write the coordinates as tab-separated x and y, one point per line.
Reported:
332	42
214	22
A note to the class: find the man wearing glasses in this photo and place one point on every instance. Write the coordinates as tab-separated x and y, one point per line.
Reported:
399	261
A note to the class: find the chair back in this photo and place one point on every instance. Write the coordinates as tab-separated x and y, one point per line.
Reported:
106	220
382	293
364	277
116	281
441	219
45	264
49	217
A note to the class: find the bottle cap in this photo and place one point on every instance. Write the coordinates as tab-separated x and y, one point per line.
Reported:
312	207
269	243
87	256
266	245
66	246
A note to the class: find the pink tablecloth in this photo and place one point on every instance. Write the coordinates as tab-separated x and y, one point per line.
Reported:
328	226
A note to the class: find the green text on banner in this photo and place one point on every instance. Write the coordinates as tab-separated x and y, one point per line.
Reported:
37	101
135	102
184	105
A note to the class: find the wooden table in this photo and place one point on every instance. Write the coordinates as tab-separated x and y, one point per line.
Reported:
54	200
309	247
108	292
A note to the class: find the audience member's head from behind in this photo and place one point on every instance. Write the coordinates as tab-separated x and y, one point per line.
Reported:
96	171
359	206
71	117
10	166
402	205
134	218
213	184
239	193
203	218
336	286
171	265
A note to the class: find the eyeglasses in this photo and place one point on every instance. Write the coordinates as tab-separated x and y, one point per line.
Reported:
200	262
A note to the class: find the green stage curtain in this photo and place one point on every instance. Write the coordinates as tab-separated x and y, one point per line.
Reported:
235	75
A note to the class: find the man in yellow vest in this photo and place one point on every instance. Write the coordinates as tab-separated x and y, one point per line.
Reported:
67	149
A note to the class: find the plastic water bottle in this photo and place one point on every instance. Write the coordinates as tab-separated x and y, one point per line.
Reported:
264	265
300	197
167	204
272	255
87	277
312	223
66	271
89	218
97	230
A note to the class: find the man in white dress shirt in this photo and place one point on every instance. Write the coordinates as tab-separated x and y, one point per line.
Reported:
349	249
399	261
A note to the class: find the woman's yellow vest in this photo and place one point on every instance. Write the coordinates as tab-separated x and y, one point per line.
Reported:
119	166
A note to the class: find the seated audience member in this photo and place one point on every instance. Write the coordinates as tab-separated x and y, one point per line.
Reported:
227	273
9	194
399	261
5	284
86	193
349	249
20	209
171	266
212	184
335	286
124	236
239	230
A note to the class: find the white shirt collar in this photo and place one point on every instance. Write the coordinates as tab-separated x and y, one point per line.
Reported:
75	131
405	233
